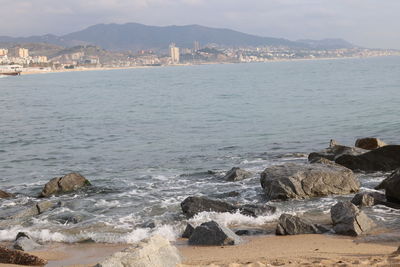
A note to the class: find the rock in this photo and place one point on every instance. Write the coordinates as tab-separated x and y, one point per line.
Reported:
237	174
4	194
36	209
349	220
25	242
188	231
213	234
228	194
293	225
368	199
11	256
193	205
385	158
334	151
250	232
370	143
304	181
67	183
391	185
153	252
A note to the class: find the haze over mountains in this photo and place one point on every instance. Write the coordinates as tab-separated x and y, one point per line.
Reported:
135	36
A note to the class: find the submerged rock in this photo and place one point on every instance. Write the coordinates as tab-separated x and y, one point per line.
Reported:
193	205
25	242
67	183
188	231
4	194
391	185
369	143
213	234
237	174
385	158
18	257
349	220
304	181
368	199
334	151
36	209
293	225
153	252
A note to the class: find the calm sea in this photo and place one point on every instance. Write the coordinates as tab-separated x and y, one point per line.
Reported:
146	138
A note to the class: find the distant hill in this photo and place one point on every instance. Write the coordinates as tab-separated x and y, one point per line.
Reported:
327	43
134	36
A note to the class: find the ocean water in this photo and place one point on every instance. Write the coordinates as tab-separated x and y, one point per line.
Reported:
146	139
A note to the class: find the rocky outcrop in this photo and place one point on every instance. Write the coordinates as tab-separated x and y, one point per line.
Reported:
67	183
237	174
386	158
368	199
153	252
36	209
4	194
391	185
25	242
304	181
334	151
369	143
188	231
293	225
213	234
193	205
349	220
18	257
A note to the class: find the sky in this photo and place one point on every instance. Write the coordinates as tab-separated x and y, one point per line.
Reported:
368	23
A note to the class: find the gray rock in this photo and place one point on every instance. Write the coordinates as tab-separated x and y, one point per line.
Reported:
368	199
237	174
11	256
213	234
193	205
36	209
153	252
4	194
334	151
67	183
304	181
188	231
385	158
369	143
293	225
250	232
25	243
349	220
391	185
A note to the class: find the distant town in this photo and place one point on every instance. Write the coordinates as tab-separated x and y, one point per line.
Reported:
41	57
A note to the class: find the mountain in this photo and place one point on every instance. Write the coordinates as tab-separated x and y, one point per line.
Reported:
327	43
135	36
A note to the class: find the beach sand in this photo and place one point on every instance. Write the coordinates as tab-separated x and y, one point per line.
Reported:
299	250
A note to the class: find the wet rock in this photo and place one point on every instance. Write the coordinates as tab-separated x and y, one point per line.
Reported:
228	194
369	143
304	181
193	205
67	183
188	231
4	194
293	225
18	257
237	174
349	220
391	185
334	151
323	161
213	234
68	217
153	252
385	158
368	199
250	232
25	242
36	209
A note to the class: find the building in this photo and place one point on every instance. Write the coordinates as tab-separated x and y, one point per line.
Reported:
196	46
19	52
174	53
40	59
3	52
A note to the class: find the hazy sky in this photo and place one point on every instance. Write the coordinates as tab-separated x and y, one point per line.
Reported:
370	23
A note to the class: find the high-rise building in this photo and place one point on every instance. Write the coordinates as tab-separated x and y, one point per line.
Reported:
19	52
3	52
196	46
174	53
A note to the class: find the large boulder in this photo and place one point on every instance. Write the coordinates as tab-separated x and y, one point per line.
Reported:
153	252
67	183
294	225
4	194
193	205
237	174
304	181
25	242
212	234
368	199
385	158
18	257
391	185
349	220
334	151
369	143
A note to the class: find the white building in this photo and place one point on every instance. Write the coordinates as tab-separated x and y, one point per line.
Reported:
174	53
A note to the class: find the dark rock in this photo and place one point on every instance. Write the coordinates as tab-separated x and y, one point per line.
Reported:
368	199
323	161
193	205
334	151
304	181
68	217
391	185
370	143
228	194
293	225
67	183
250	232
385	158
213	234
349	220
11	256
237	174
188	231
25	242
4	194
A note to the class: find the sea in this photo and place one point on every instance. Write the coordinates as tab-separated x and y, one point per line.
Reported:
147	138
